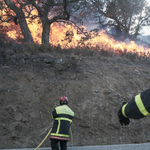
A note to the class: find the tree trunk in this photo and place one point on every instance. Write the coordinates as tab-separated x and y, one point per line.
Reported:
22	21
46	31
25	30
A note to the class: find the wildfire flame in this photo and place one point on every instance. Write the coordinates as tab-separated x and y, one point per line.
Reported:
101	41
66	36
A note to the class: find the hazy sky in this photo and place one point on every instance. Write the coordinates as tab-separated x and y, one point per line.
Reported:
146	31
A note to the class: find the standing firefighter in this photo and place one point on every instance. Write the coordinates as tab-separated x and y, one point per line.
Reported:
137	108
63	116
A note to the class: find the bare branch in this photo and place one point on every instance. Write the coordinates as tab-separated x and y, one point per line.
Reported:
73	23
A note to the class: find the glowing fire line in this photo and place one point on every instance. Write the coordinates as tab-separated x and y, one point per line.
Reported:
102	41
73	40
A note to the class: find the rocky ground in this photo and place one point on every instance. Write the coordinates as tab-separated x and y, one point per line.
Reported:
96	85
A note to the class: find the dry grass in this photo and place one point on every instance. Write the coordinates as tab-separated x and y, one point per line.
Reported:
86	51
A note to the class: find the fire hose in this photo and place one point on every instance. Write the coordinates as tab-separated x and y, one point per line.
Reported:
44	139
48	135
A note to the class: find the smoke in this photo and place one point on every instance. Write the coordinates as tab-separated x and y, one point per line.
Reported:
145	39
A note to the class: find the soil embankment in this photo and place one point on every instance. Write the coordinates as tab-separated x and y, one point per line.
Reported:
31	86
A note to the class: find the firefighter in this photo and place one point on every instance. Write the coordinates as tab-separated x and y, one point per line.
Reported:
62	116
137	108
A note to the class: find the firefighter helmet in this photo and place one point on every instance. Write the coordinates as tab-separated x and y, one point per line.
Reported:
64	100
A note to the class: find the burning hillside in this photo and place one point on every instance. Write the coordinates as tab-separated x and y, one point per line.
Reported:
67	36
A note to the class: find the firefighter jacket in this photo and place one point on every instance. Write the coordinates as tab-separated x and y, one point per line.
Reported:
63	116
138	107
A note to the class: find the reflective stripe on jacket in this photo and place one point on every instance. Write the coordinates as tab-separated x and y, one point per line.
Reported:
138	107
63	116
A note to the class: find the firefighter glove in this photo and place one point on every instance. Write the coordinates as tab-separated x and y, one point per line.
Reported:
122	118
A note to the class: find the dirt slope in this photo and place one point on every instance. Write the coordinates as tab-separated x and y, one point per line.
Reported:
31	86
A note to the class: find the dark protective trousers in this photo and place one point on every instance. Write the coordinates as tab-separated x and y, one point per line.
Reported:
54	144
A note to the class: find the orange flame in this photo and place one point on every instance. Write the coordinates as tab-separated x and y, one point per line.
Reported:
101	40
67	36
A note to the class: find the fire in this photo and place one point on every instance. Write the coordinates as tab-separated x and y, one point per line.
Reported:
101	41
36	31
66	36
12	34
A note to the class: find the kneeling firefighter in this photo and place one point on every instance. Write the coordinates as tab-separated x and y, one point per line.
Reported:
63	116
137	108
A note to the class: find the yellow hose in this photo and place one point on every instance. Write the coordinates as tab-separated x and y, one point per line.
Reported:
48	135
71	136
44	139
